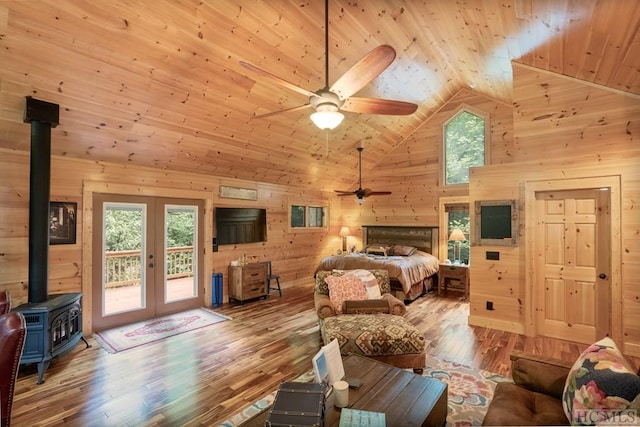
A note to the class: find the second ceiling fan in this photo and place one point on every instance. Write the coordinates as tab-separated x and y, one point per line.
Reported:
361	193
329	100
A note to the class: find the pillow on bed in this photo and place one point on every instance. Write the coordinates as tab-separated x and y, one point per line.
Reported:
400	250
377	250
343	288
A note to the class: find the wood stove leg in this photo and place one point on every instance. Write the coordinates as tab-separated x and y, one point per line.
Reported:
85	341
42	366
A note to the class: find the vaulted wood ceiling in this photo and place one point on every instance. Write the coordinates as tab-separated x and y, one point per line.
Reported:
158	82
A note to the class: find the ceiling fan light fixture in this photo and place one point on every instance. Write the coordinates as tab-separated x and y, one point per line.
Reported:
360	200
327	116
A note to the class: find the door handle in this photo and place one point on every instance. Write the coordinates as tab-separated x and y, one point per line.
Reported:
602	276
150	265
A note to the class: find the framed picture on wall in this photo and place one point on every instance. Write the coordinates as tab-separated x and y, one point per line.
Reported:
62	223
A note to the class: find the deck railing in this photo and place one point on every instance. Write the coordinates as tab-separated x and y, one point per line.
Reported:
123	267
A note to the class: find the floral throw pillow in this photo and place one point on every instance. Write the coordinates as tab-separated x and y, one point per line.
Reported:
369	282
344	288
600	386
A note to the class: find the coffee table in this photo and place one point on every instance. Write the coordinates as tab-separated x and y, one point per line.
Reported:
404	397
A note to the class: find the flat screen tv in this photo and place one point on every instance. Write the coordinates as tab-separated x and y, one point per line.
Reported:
240	225
496	222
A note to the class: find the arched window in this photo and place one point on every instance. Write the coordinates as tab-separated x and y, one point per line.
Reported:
464	146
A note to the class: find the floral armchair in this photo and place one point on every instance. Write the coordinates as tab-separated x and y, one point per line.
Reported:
325	308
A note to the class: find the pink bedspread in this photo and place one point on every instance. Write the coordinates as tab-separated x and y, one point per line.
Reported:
405	269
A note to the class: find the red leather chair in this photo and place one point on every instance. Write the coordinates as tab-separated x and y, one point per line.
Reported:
13	330
5	302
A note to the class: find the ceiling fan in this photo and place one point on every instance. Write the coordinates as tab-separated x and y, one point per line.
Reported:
361	193
328	101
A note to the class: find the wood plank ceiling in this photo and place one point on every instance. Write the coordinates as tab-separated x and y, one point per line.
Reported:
158	82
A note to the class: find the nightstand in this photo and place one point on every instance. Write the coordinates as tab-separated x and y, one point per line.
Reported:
454	272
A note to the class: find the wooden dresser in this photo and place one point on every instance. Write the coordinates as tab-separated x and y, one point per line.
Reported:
247	281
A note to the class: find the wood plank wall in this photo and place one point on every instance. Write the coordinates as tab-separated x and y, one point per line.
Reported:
412	170
294	254
564	129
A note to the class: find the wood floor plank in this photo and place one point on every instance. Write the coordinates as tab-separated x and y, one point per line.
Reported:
205	376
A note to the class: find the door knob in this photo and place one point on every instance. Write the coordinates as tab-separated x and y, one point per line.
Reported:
602	276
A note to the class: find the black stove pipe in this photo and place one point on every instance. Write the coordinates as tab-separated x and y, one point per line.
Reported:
43	116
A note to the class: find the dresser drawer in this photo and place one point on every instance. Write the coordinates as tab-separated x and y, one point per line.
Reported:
247	281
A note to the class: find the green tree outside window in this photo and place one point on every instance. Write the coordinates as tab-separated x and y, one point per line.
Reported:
464	140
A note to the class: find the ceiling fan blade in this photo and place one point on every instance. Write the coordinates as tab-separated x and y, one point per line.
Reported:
364	71
286	110
345	193
369	192
378	106
276	79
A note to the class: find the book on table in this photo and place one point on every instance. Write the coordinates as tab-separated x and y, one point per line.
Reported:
358	418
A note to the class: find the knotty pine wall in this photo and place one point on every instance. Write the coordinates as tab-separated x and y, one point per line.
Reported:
564	129
294	254
412	170
557	128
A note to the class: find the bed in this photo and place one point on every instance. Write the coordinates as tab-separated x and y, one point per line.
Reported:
411	274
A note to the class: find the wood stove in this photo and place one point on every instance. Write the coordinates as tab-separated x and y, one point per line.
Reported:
54	322
54	328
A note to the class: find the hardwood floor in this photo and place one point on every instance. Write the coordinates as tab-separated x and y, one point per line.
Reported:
205	376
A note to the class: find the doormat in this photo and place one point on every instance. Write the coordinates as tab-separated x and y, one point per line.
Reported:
469	393
137	334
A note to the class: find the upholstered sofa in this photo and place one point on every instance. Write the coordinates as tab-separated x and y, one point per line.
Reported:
374	327
549	391
534	397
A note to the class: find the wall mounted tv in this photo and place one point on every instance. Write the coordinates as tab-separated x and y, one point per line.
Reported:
496	222
240	225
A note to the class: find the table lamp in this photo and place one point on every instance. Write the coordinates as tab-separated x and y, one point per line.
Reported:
457	236
344	233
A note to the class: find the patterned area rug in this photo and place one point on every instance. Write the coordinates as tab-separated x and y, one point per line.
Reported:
137	334
469	392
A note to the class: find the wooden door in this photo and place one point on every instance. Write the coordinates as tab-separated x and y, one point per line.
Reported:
572	264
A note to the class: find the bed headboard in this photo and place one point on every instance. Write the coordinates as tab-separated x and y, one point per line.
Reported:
423	238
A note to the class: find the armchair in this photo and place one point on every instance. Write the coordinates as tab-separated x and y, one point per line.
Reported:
375	328
5	302
13	330
325	308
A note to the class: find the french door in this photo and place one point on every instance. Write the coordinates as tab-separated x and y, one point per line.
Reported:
146	257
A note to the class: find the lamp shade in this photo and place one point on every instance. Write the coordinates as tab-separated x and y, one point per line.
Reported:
327	116
457	234
344	232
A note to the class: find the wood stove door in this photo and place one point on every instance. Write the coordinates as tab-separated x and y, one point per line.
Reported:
148	258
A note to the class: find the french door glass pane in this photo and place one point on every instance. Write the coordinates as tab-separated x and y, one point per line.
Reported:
124	252
181	225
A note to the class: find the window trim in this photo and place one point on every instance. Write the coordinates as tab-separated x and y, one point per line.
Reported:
306	228
443	221
487	142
